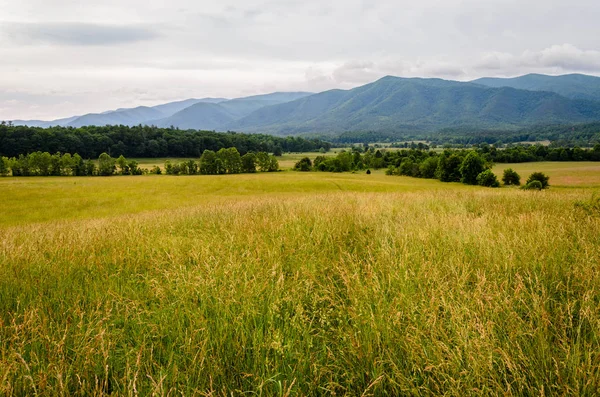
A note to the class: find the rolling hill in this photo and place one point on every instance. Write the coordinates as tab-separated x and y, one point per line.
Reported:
395	104
204	116
574	86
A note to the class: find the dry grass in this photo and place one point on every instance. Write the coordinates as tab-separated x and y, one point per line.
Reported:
398	291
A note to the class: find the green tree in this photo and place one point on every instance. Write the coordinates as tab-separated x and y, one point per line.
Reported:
106	165
4	166
90	168
542	178
66	164
134	168
123	166
449	168
264	161
208	163
511	177
428	167
249	163
231	160
273	164
303	165
472	165
77	166
487	178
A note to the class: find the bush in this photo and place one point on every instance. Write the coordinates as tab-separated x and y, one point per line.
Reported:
368	172
487	178
511	177
540	177
303	165
533	185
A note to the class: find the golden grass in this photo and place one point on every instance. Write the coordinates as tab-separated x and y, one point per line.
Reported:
296	284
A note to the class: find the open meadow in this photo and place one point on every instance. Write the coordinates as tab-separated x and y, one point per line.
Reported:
300	284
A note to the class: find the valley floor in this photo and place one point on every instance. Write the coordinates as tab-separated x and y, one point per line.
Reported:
300	284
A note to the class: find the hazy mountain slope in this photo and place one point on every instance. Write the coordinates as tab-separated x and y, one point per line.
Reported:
202	116
574	86
199	116
45	124
129	117
169	109
393	103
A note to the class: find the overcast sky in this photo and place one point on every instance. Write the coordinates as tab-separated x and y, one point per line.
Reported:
61	58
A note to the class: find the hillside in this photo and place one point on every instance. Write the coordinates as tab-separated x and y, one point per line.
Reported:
204	116
397	104
574	86
201	116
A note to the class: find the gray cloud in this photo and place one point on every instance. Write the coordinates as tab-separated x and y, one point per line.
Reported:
76	34
123	53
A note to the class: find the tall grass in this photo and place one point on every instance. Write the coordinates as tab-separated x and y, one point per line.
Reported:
456	292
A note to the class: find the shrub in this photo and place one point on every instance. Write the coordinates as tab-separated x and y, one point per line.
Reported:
487	178
368	172
303	165
540	177
534	185
511	177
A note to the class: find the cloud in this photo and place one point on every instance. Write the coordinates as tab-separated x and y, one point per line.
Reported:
75	34
556	58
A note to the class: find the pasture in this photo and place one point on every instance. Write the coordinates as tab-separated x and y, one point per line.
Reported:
299	284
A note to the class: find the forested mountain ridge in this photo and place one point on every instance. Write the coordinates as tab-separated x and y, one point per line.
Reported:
573	86
395	104
390	105
214	116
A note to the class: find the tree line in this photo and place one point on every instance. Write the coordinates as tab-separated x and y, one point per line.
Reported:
46	164
532	153
224	161
466	166
564	135
142	141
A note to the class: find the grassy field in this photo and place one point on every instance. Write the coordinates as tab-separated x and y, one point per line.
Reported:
300	284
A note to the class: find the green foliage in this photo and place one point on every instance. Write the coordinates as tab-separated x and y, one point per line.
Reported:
208	163
142	141
4	166
123	166
533	185
106	165
303	165
249	163
471	167
511	177
448	169
487	178
542	178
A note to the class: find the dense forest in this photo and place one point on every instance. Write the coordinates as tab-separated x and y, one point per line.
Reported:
571	135
142	141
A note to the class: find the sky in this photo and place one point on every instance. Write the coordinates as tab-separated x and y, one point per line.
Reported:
61	58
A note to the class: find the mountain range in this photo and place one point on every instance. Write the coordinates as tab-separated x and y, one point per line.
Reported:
388	104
